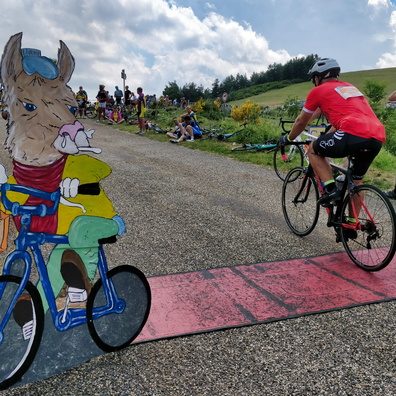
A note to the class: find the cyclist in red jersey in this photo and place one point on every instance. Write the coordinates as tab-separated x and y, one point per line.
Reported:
358	131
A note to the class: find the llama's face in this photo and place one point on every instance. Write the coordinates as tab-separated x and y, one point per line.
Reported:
41	106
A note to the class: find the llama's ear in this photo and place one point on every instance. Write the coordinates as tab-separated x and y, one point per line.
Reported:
65	63
11	61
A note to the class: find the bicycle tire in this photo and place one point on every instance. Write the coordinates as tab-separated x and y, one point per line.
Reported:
19	353
375	244
295	158
302	215
114	331
90	112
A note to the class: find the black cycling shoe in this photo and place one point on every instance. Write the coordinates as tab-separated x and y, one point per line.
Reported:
390	194
330	198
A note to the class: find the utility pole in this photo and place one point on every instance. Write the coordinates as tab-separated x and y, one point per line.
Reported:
123	76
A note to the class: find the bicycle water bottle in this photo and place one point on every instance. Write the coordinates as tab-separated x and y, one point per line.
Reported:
340	181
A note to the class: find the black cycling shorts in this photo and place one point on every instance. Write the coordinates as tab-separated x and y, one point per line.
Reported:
340	144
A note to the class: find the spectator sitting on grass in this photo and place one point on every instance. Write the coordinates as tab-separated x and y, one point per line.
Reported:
188	130
115	116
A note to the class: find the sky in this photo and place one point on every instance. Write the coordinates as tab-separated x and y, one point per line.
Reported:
161	41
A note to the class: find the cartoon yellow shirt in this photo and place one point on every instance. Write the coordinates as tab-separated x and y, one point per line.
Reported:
88	170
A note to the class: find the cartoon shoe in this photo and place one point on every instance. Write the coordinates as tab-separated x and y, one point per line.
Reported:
75	276
23	315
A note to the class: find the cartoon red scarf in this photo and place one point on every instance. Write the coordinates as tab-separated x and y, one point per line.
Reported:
46	178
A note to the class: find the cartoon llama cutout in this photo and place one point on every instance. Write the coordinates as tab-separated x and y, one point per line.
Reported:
46	144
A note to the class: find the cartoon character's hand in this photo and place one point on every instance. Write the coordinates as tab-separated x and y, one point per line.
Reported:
121	224
3	176
69	187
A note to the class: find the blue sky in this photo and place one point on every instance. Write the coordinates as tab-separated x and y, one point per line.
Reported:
160	41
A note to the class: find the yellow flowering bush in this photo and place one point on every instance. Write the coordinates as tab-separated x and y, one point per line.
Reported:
199	106
249	112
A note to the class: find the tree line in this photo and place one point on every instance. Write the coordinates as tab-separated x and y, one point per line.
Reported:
240	86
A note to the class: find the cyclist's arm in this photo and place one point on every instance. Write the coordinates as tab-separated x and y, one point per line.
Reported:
300	124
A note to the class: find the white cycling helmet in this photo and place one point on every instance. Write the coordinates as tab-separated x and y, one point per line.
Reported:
325	68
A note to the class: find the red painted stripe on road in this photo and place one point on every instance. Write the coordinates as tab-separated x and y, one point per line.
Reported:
241	295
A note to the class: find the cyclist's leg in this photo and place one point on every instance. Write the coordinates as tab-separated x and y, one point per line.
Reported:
84	234
362	153
332	145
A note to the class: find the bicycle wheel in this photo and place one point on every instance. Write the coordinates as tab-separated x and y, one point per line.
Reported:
17	352
374	243
293	157
116	330
299	196
90	112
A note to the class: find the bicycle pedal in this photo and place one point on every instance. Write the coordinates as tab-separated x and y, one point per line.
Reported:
27	330
77	295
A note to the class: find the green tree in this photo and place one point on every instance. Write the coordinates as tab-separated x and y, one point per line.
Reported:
375	92
173	91
192	92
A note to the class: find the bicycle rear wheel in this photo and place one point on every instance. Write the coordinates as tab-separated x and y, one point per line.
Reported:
17	350
90	112
283	164
299	201
117	329
374	243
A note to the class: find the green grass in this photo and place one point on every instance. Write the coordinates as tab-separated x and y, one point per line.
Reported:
277	97
381	173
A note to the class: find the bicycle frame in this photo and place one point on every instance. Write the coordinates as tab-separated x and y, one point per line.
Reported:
334	218
66	318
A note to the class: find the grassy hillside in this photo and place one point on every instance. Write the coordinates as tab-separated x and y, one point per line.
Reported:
278	97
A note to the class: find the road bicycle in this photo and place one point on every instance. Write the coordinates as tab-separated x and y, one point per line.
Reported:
269	146
223	136
154	127
364	219
117	306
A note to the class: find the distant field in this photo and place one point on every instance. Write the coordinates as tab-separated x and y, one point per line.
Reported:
278	97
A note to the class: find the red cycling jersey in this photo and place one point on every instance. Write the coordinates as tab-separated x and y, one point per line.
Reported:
346	109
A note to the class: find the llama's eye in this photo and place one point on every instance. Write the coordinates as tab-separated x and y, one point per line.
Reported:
72	109
29	106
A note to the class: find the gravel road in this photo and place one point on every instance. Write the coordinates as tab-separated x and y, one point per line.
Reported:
187	210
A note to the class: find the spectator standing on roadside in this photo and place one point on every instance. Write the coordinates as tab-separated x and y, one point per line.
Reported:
127	98
118	95
102	98
141	110
82	99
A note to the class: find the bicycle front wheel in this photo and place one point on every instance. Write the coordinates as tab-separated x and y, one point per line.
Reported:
117	328
292	158
372	245
299	201
18	345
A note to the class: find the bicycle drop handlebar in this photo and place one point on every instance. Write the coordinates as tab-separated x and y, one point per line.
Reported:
38	210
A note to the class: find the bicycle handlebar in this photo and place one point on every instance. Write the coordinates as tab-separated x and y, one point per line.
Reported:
39	210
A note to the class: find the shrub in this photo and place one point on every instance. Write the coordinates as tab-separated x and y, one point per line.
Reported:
249	112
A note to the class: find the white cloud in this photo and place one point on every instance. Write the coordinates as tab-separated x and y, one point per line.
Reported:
160	41
388	59
153	40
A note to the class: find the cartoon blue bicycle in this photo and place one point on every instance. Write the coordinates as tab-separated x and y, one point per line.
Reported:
117	306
